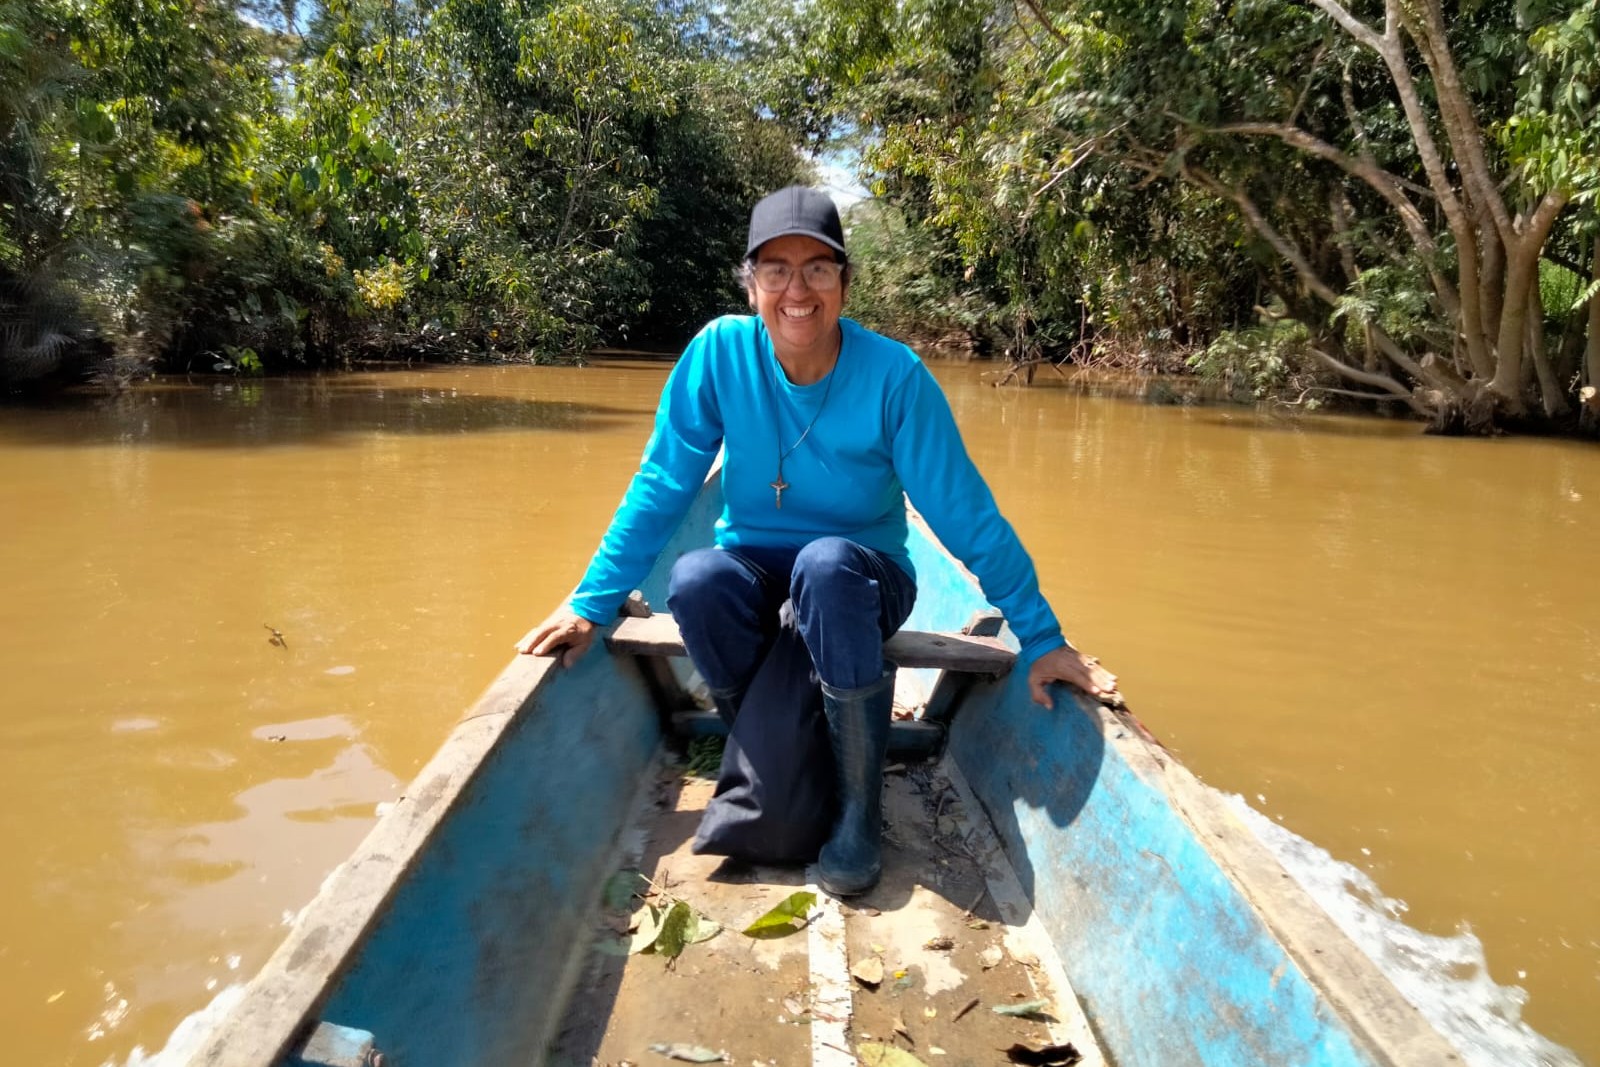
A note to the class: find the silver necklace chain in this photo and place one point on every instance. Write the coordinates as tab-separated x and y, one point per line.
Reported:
778	484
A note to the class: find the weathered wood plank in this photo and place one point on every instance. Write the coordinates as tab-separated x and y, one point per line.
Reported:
658	636
950	652
950	687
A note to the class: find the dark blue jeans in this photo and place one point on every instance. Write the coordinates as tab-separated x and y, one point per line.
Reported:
847	600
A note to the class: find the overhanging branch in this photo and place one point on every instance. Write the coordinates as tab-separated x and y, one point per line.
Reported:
1044	20
1372	378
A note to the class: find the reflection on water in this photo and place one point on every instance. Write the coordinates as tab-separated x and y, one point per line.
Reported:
303	411
1382	639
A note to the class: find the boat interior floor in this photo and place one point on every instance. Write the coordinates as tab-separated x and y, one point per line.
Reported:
918	964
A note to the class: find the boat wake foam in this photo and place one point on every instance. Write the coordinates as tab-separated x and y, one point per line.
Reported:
189	1035
1446	978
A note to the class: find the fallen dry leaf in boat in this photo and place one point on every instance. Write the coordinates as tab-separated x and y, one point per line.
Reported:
900	1028
873	1054
646	927
1043	1055
939	944
703	929
869	972
1023	1010
991	957
1027	959
667	929
689	1053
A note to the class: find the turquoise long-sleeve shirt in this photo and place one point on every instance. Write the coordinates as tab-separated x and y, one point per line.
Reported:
880	432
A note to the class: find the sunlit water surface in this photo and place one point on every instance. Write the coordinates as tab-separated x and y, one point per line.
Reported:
1386	643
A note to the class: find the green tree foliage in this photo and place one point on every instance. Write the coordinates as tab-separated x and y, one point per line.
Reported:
1123	174
204	186
36	314
1037	252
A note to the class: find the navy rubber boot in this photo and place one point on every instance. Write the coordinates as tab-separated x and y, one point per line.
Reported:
858	726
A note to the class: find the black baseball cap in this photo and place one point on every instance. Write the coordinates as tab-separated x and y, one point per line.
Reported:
796	210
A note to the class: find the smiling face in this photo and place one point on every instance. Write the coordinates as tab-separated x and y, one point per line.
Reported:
803	322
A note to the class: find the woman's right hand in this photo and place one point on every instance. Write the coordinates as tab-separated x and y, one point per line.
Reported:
564	629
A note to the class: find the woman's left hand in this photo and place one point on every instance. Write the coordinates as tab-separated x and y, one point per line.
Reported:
1073	667
564	633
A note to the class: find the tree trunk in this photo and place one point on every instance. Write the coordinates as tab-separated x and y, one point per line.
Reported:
1509	366
1555	404
1570	350
1522	270
1492	284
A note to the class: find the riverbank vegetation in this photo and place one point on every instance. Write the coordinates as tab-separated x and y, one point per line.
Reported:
210	185
1372	200
1379	203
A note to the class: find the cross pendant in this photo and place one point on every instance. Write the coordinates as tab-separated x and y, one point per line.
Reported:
777	488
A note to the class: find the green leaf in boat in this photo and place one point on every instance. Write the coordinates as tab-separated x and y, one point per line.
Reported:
784	919
623	886
705	757
688	1053
675	930
1026	1008
874	1054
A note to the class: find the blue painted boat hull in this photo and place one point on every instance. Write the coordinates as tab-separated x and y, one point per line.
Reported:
455	931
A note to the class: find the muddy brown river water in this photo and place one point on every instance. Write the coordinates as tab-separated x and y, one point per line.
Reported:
1386	643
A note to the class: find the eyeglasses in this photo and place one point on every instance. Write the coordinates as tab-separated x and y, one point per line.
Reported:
773	276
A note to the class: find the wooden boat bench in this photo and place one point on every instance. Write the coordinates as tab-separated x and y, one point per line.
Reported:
960	659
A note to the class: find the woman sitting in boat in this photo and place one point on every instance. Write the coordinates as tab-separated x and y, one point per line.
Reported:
827	429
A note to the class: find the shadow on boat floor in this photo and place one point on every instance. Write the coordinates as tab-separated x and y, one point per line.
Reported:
948	925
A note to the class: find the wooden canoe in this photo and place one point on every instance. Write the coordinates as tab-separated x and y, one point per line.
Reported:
465	928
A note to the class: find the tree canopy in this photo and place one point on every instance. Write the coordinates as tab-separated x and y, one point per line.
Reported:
212	185
1377	198
1389	202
